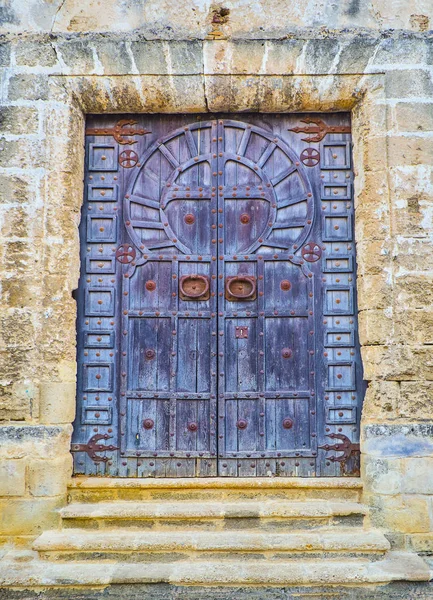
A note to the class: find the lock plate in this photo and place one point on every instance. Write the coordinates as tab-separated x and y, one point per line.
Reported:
241	332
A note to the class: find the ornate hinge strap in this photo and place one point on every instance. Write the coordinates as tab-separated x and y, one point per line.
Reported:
317	131
347	447
119	131
91	448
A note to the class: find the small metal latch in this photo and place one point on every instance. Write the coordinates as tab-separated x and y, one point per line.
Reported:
241	332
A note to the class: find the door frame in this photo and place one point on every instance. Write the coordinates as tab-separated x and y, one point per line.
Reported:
76	96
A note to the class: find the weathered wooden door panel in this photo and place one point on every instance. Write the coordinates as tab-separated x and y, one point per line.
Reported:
217	328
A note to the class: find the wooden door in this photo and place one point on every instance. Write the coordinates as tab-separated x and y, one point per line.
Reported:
217	324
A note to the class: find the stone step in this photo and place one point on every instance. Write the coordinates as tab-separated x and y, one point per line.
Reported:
36	573
73	544
100	489
214	514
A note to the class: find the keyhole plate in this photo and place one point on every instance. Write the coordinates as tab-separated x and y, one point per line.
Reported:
241	332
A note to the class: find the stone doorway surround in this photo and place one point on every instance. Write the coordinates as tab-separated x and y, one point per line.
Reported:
101	75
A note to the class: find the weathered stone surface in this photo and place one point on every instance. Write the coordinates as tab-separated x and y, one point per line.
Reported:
16	120
398	441
12	477
408	83
49	477
418	117
416	399
28	87
28	516
57	404
31	53
380	400
37	441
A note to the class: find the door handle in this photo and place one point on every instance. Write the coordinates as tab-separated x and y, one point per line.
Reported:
240	288
194	287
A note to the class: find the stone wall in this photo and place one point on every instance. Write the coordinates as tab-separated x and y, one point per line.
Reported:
61	60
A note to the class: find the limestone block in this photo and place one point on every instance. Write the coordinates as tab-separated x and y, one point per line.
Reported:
16	328
404	150
412	254
320	54
418	475
23	86
12	477
57	402
35	53
37	441
150	93
371	224
113	56
159	57
408	83
398	362
18	399
414	291
249	57
381	398
356	55
422	542
18	188
374	292
29	516
371	153
398	440
19	292
77	55
414	117
19	119
49	477
373	257
414	326
383	476
23	154
371	116
401	51
416	399
406	513
375	327
371	190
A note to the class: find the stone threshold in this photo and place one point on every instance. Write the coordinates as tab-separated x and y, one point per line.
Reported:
18	573
217	483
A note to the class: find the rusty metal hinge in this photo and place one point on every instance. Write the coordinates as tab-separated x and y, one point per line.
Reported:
319	128
119	131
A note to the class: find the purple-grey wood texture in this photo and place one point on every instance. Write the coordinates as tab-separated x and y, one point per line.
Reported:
217	330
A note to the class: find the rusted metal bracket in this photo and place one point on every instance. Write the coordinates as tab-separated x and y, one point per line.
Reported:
346	447
319	129
119	131
91	448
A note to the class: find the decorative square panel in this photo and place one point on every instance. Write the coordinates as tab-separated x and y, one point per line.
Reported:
96	415
335	338
337	264
97	377
340	376
336	191
99	339
335	155
338	300
337	228
100	264
336	415
101	228
100	302
103	157
102	193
